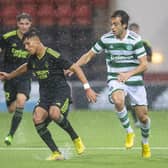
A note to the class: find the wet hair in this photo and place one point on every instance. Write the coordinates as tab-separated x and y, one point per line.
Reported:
23	15
123	15
33	32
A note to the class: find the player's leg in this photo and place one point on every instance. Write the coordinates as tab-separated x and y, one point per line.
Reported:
132	111
63	122
117	93
10	96
145	129
19	94
118	98
139	100
40	119
134	116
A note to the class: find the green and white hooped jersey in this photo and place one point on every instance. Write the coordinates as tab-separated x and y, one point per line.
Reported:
121	55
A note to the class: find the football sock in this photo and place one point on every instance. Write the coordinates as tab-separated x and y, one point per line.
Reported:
65	124
123	116
17	117
46	136
145	130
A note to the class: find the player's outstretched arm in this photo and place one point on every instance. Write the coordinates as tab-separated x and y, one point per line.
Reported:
90	93
84	59
19	71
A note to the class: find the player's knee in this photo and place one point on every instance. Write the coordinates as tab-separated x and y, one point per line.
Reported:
21	99
143	119
20	102
36	120
119	104
54	113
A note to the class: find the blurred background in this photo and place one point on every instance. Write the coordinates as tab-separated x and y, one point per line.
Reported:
73	26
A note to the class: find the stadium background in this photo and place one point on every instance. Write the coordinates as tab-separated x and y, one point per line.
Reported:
72	27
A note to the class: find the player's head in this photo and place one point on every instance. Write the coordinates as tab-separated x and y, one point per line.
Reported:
119	22
24	22
31	41
134	27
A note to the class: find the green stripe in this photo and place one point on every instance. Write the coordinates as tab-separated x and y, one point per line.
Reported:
116	74
53	52
124	118
112	74
139	45
10	34
145	130
126	125
120	46
95	49
130	37
111	36
100	43
145	135
131	83
135	83
120	65
141	53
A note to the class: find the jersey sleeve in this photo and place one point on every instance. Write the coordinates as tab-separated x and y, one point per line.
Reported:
139	49
64	63
148	48
98	47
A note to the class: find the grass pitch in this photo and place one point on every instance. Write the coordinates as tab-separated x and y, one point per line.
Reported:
102	135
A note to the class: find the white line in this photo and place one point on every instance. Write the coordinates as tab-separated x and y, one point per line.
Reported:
88	148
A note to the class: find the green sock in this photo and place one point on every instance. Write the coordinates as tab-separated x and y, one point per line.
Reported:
123	116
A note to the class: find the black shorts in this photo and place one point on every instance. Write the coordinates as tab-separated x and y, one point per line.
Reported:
60	97
14	86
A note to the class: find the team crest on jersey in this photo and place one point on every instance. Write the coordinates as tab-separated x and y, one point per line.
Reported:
129	47
111	46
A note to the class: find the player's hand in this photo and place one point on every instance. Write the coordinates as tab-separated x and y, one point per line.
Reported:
91	95
68	73
123	77
4	75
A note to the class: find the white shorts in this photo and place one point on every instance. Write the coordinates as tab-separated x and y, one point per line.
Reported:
136	94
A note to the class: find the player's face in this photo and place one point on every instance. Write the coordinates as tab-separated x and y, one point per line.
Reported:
24	25
31	45
117	27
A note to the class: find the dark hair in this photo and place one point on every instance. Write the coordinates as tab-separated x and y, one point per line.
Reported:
23	16
133	25
33	32
123	15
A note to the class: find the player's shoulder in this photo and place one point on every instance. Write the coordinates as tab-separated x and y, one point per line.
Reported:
53	53
147	43
10	34
108	35
134	36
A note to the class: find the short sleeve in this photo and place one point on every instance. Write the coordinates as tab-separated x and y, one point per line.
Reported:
98	47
